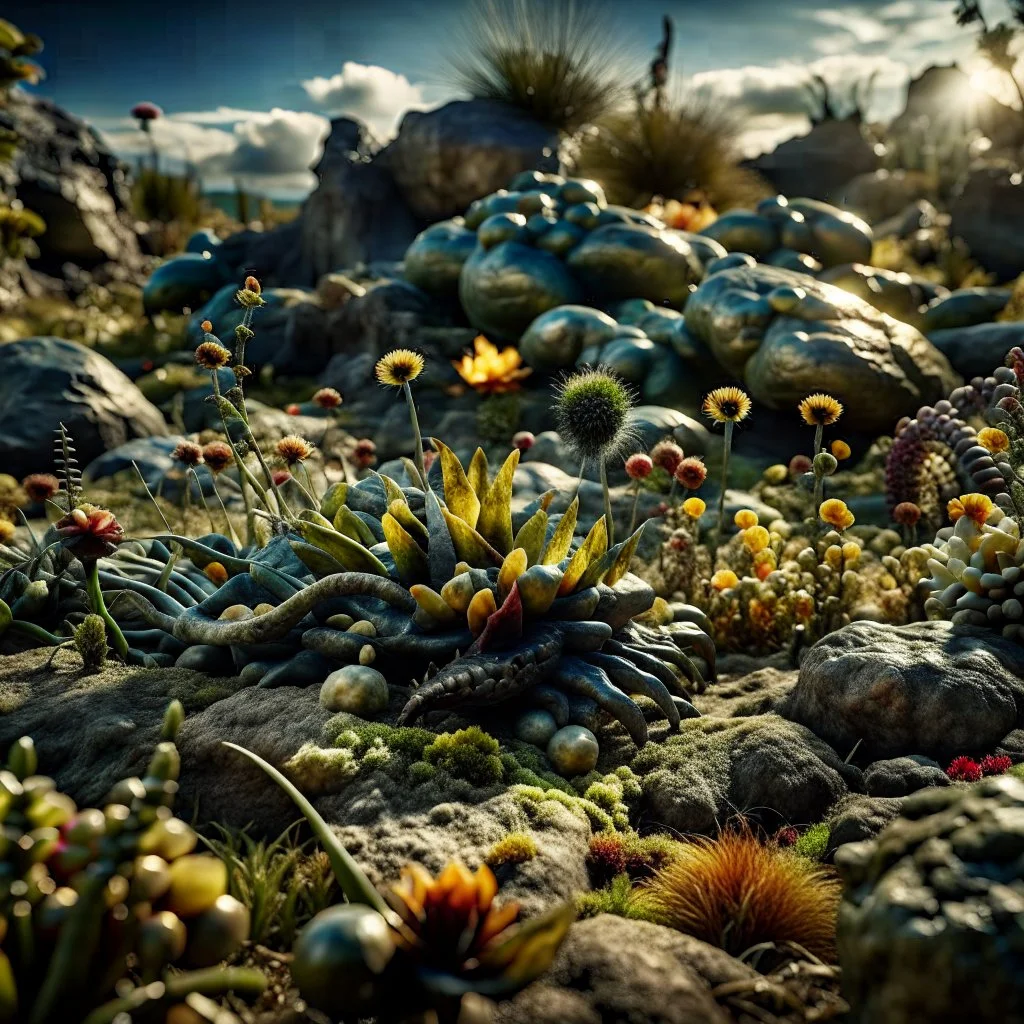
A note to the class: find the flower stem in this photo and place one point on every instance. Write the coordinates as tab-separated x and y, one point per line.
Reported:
227	518
819	431
417	436
609	522
726	450
636	501
99	606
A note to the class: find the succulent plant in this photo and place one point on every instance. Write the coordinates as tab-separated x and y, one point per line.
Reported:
83	892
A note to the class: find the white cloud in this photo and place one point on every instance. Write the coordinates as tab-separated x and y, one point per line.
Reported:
264	149
373	94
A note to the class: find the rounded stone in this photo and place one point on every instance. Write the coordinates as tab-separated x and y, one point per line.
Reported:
357	689
556	338
745	232
582	190
561	238
501	201
573	750
628	261
504	289
502	227
185	282
339	959
536	727
434	260
830	235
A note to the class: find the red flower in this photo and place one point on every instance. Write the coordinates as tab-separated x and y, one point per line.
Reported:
995	764
90	532
364	453
524	440
293	409
787	836
964	769
798	465
146	112
40	486
667	454
638	466
280	476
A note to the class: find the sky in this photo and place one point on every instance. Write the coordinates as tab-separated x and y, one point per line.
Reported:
248	86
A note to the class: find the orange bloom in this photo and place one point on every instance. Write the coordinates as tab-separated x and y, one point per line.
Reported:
489	371
836	514
724	579
977	507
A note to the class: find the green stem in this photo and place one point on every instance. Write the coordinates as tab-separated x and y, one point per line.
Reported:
202	498
92	579
417	435
227	518
308	489
609	522
726	450
819	431
37	633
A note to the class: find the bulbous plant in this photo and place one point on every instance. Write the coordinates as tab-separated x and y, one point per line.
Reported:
592	412
99	908
424	946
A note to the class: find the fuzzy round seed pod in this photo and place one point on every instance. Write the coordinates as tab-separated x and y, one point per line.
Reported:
188	453
327	398
691	473
357	689
592	412
639	466
824	464
667	454
217	455
40	486
523	440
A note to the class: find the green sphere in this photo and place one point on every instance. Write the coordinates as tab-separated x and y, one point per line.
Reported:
340	958
536	727
357	689
573	750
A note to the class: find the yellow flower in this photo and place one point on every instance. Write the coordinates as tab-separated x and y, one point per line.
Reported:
724	579
212	356
755	539
489	371
994	439
820	410
727	405
745	518
398	368
841	450
6	530
694	508
977	507
835	513
851	551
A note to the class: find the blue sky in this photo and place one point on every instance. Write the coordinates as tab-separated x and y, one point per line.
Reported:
248	84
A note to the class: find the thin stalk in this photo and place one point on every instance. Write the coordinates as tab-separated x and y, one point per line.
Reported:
609	522
726	450
227	519
636	501
819	432
308	489
417	435
579	478
202	498
92	581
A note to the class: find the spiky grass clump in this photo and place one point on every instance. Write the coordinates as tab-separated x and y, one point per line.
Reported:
592	411
674	151
90	639
735	892
549	58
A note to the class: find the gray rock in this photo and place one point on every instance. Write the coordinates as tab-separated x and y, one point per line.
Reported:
976	351
443	159
613	969
965	307
859	816
901	776
926	688
48	381
64	172
821	163
987	215
931	926
715	768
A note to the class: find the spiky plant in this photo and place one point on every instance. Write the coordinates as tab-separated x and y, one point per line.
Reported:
549	58
684	147
736	891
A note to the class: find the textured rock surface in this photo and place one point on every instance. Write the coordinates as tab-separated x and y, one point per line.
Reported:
928	688
64	172
931	927
615	970
789	335
48	381
718	767
975	351
901	776
858	817
443	159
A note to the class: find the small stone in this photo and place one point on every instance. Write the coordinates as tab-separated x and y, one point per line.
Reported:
357	689
536	727
573	750
236	613
262	608
363	627
340	621
367	654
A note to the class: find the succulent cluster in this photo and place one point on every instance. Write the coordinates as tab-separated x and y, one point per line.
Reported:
97	905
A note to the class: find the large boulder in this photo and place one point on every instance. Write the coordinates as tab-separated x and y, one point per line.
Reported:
443	159
977	350
987	215
928	688
931	926
789	335
45	382
65	173
820	163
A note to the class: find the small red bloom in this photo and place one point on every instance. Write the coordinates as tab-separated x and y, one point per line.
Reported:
327	398
995	764
639	466
798	465
40	486
146	111
667	454
364	453
691	473
293	409
787	836
964	769
524	440
90	532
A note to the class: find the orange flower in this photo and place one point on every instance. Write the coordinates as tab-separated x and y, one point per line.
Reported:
694	508
489	371
835	513
724	579
977	507
994	439
841	450
90	532
745	518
